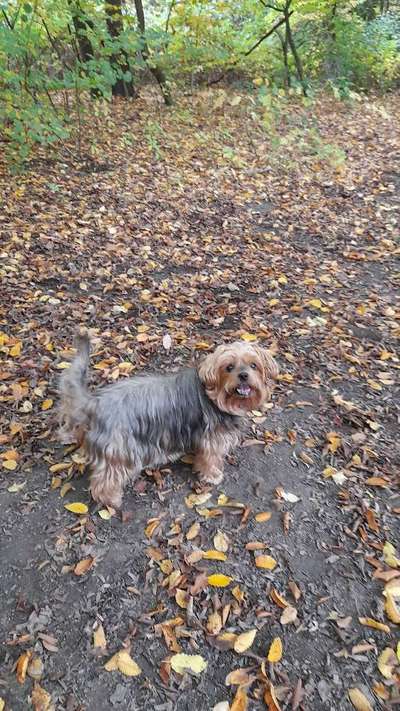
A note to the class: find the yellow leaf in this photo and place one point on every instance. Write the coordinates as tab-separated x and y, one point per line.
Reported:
22	666
2	704
218	580
334	441
221	542
238	594
47	404
182	598
398	651
387	660
10	464
263	516
278	599
359	701
392	610
104	514
389	555
188	662
193	531
152	525
275	650
166	566
61	466
214	555
196	499
76	508
99	637
83	566
123	662
65	489
248	337
244	641
315	303
369	622
240	702
56	482
265	561
14	488
15	351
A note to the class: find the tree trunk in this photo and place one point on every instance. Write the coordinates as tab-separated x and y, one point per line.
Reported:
296	57
119	59
81	25
284	43
156	71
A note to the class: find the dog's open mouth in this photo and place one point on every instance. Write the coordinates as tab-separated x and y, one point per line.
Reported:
243	390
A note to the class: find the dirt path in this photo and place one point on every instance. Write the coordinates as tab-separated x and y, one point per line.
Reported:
207	244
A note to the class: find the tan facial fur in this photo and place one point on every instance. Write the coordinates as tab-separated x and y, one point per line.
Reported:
238	377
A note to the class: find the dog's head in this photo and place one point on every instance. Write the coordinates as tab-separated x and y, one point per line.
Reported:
238	377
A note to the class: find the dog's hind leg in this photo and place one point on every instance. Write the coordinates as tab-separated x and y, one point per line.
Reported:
107	481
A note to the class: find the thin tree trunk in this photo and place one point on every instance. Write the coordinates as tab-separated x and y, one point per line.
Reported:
81	25
296	57
156	71
119	59
284	43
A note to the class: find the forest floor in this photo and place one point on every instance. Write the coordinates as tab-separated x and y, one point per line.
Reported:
186	228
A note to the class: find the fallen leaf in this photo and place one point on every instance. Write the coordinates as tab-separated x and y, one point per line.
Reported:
240	702
369	622
387	661
151	527
41	699
221	706
214	623
263	516
376	481
181	663
3	703
392	609
389	555
334	441
275	651
219	580
226	640
266	562
83	566
99	637
288	615
214	555
238	594
255	546
76	508
221	541
237	677
278	599
244	641
359	701
104	514
10	464
22	666
270	698
181	598
295	590
35	668
47	404
123	662
14	488
193	531
197	499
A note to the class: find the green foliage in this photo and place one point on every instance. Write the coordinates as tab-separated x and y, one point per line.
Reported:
58	57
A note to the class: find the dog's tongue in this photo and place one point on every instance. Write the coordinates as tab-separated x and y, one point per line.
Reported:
243	390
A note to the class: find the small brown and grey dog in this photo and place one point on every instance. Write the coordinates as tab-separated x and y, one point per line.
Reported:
149	420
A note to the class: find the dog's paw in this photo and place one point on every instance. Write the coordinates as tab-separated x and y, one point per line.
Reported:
212	476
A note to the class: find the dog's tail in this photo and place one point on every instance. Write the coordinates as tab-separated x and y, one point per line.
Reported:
76	400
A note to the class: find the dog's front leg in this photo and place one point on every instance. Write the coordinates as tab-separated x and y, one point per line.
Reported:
209	461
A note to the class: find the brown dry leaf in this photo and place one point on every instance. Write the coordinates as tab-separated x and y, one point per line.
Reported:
255	546
84	566
99	637
376	481
193	531
275	651
22	666
151	527
263	516
371	521
244	641
238	594
214	623
35	668
266	562
270	698
219	580
60	467
237	677
278	599
369	622
182	598
123	662
359	701
334	441
65	488
226	640
294	589
240	702
221	541
289	615
41	699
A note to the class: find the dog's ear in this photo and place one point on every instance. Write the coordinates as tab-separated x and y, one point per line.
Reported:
208	371
270	366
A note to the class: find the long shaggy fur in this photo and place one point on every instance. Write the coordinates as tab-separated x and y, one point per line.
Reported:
144	422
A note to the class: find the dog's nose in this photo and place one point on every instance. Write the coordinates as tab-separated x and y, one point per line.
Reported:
243	375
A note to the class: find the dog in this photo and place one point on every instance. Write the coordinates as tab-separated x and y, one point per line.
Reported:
149	420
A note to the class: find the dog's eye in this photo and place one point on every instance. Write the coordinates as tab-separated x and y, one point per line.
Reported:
253	365
229	368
